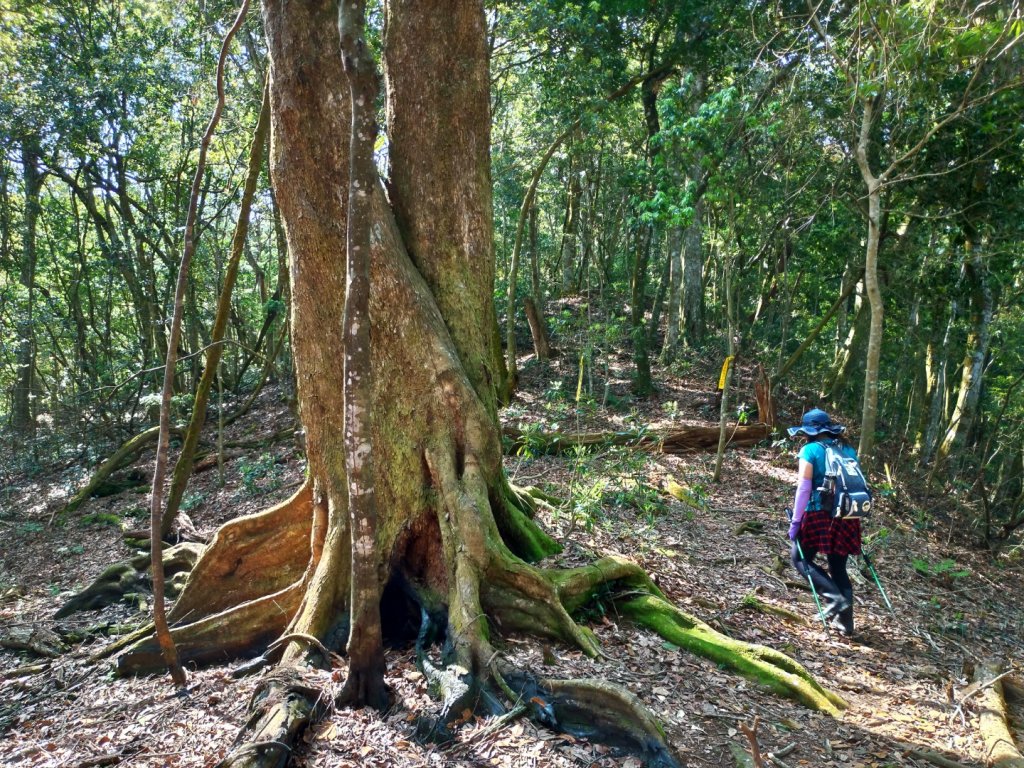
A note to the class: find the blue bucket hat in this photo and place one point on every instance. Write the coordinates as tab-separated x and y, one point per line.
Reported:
814	423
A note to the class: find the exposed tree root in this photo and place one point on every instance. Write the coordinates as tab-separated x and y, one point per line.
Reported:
766	666
514	517
249	558
122	579
239	632
1000	750
682	440
752	603
600	711
282	708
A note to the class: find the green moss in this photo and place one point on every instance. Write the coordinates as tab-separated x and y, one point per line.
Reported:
763	665
520	533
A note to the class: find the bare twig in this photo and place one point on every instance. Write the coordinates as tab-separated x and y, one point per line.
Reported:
751	733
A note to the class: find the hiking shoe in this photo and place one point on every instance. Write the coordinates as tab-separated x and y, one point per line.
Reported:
835	607
842	624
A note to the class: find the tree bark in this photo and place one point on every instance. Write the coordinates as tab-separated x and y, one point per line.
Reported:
869	412
364	685
22	406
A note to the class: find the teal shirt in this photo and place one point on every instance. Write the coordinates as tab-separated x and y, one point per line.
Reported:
814	453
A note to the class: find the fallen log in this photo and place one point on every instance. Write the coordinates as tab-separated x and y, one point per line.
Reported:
694	438
1000	750
39	640
121	458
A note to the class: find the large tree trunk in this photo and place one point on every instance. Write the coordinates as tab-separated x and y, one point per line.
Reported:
451	535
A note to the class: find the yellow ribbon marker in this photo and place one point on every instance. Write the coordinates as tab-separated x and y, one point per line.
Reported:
725	371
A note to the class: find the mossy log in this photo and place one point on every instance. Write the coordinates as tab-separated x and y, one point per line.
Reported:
121	458
677	441
1000	750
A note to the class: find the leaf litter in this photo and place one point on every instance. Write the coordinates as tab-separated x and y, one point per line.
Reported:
903	676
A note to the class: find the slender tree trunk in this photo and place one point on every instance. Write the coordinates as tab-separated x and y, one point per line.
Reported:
969	394
364	685
851	351
642	383
534	304
535	289
869	412
723	416
167	647
23	407
570	231
938	388
659	301
693	270
675	280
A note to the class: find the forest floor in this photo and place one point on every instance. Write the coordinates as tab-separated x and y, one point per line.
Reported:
904	675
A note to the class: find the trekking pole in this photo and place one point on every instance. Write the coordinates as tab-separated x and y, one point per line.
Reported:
810	581
878	582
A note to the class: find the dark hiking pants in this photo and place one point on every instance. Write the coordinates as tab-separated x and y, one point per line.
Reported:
834	587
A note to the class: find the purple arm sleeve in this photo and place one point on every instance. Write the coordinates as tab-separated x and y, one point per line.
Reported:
803	495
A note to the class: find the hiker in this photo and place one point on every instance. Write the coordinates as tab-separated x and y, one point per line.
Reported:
814	529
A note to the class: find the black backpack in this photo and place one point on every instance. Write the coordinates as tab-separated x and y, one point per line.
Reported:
844	491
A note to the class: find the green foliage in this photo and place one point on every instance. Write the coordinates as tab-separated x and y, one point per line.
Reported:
261	474
944	570
29	528
192	500
102	519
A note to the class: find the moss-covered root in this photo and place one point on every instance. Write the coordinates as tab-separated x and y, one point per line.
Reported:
282	708
764	665
513	514
124	578
597	710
